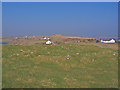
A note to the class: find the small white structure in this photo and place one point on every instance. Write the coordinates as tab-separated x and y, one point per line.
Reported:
16	38
44	38
26	37
48	38
111	41
48	43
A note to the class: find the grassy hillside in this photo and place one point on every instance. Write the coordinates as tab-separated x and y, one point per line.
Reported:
59	66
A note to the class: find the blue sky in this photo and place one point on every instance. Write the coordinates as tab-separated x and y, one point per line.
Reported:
86	19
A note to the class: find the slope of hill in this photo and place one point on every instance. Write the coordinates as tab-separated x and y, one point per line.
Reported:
66	39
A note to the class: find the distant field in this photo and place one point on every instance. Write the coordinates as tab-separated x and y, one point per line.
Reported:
59	66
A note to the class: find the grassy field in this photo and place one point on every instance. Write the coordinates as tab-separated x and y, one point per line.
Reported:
59	66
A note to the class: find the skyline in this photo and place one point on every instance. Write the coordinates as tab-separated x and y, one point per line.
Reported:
87	19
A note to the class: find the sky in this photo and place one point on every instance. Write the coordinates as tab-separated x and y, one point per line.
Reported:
83	19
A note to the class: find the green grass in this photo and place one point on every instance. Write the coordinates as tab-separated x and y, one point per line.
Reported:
59	66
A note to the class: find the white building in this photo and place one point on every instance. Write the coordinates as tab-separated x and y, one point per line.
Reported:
110	41
48	43
44	38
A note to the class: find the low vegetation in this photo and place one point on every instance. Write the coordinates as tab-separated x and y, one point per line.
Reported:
59	66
